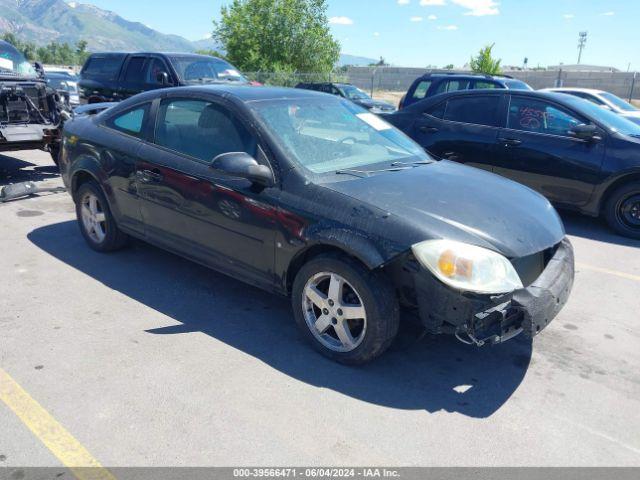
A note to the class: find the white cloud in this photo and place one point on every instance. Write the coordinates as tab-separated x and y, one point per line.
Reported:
431	3
403	2
447	27
376	34
416	19
340	21
568	16
432	17
479	8
608	14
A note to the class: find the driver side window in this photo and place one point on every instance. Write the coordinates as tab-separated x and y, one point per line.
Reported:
531	115
201	129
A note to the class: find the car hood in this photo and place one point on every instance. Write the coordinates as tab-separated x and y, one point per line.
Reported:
371	103
631	115
452	201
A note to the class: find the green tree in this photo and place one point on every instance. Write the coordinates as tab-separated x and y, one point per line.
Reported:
449	67
485	63
53	54
277	36
211	53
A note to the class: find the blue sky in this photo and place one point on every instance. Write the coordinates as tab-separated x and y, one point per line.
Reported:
438	32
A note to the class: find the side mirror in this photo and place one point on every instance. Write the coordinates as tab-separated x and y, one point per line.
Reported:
243	165
163	78
585	132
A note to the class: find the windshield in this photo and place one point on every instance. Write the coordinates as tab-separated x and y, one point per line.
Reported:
14	63
618	102
612	121
330	134
517	85
353	93
193	69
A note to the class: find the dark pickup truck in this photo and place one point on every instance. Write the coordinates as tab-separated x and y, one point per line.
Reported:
112	77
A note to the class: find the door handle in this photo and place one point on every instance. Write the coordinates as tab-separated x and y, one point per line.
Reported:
510	142
426	129
148	176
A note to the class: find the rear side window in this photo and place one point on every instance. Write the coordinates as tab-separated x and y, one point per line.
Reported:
130	122
452	86
135	70
474	110
480	85
437	111
103	67
421	90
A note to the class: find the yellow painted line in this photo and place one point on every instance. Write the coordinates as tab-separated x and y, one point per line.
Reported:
628	276
53	435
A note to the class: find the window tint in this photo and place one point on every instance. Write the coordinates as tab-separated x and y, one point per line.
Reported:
130	122
452	86
532	115
155	67
479	85
201	129
475	110
437	111
135	70
421	90
107	67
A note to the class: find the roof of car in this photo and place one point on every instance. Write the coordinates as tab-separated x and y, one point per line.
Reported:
555	96
244	93
574	89
467	75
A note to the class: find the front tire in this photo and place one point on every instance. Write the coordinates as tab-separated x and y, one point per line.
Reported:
622	210
349	313
96	222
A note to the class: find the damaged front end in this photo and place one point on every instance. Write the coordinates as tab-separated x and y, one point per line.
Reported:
481	319
31	116
31	113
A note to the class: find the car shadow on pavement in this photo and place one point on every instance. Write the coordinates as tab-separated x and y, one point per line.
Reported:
14	170
431	374
594	229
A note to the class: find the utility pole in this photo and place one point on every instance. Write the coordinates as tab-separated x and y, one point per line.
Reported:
582	42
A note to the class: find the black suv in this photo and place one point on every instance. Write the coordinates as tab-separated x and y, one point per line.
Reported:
350	92
109	77
572	151
435	83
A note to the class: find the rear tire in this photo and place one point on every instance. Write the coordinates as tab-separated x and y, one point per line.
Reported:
351	321
622	210
96	222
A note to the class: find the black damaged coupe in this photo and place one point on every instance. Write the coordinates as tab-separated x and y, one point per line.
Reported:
308	195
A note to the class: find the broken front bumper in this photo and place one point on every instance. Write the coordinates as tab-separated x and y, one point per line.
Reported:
27	136
484	319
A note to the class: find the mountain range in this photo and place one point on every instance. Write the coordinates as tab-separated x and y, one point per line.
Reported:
44	21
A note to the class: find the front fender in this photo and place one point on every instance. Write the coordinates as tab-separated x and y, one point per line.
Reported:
352	242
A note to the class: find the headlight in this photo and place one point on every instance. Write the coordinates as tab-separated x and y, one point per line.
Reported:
467	267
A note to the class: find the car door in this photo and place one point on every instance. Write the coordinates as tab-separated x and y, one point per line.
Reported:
189	207
463	129
119	142
537	149
132	80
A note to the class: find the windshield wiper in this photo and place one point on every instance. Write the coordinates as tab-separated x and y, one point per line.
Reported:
417	162
366	173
